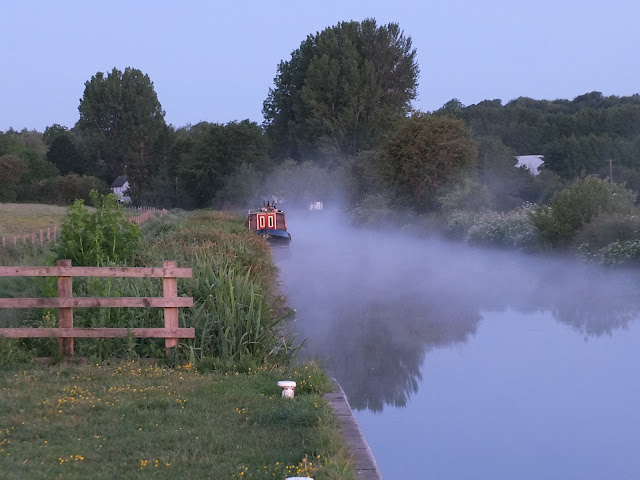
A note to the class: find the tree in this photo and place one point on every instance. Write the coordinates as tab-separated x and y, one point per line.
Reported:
341	89
63	151
12	168
423	154
122	119
208	154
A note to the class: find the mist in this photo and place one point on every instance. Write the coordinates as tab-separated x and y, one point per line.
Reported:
373	303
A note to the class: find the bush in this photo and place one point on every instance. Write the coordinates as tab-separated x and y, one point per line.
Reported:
102	237
511	229
469	195
576	206
459	222
621	253
605	230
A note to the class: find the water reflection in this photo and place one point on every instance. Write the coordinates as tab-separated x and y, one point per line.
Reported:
374	304
377	351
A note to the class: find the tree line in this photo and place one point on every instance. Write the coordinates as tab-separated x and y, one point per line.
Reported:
339	114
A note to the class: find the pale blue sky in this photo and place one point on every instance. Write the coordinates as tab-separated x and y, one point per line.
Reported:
215	61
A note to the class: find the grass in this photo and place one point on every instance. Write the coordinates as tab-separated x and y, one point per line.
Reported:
19	218
227	419
132	421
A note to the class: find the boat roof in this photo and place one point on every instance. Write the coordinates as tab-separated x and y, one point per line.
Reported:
267	209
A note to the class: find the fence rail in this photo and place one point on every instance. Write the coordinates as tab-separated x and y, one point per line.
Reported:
65	303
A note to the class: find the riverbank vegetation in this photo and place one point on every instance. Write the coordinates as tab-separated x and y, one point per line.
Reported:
237	313
212	409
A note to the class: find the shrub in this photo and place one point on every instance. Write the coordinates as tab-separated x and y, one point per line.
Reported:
576	206
469	195
511	229
607	229
459	222
621	253
98	238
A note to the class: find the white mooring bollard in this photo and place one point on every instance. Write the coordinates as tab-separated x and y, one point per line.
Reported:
287	388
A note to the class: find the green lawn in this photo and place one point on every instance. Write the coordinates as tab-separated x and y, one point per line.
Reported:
140	420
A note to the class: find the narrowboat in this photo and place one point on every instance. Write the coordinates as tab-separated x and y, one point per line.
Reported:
269	222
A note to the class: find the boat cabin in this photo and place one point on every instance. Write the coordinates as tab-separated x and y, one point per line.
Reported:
268	221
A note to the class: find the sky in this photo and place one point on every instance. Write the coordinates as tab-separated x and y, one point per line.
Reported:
215	61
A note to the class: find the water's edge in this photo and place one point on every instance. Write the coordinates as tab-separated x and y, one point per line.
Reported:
364	462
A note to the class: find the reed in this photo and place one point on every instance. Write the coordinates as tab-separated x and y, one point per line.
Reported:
232	317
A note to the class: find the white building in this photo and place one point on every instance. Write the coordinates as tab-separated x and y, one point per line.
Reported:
530	162
120	187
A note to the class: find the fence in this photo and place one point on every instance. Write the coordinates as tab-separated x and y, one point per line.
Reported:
65	302
148	212
51	234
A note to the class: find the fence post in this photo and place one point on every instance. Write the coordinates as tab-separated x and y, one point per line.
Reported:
48	234
65	315
170	290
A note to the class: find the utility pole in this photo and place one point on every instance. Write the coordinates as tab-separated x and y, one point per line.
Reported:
610	170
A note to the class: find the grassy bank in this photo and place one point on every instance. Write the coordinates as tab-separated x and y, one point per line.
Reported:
17	218
135	421
237	313
212	410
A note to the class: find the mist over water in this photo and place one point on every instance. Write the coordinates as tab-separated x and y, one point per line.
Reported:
382	309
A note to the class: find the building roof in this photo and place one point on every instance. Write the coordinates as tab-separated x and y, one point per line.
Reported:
120	181
530	162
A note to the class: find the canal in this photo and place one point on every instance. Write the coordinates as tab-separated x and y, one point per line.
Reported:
464	363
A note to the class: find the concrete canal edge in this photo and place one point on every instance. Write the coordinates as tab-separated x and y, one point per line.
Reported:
364	462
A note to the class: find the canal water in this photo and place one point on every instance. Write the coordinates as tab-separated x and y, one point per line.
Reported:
464	363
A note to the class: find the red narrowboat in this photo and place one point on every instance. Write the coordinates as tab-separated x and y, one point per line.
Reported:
269	222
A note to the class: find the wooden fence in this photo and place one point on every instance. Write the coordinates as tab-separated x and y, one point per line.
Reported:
65	302
48	235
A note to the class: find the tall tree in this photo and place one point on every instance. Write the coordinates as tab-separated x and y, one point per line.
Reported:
341	89
122	119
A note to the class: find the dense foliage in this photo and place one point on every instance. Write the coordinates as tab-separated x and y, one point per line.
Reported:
341	89
210	155
577	205
100	237
591	134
